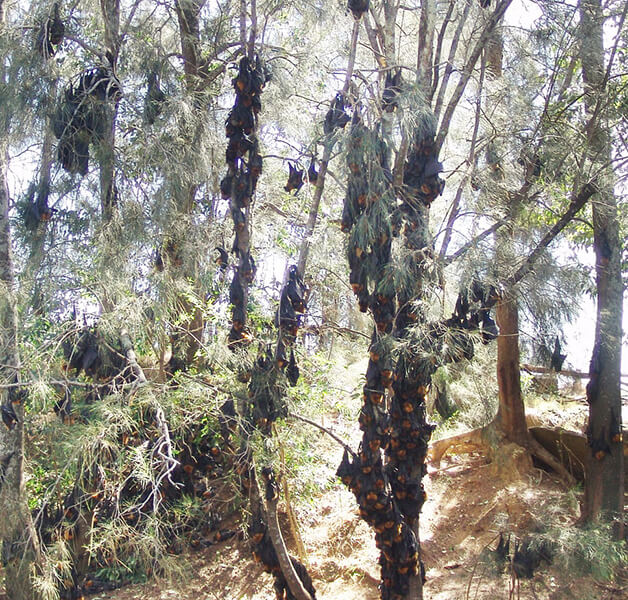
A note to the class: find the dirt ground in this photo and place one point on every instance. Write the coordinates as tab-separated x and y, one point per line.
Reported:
469	503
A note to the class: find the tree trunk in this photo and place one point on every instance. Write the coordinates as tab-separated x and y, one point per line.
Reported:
187	340
511	413
19	541
604	485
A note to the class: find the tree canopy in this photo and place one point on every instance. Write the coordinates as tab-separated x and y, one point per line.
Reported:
199	199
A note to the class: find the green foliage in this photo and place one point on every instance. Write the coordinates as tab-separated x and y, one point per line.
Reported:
83	267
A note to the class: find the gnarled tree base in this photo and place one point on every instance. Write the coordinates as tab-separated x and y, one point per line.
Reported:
492	442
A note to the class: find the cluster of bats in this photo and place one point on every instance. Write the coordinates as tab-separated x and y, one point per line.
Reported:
473	310
35	209
393	417
367	478
96	498
50	33
421	173
244	166
16	397
389	497
292	307
265	405
265	395
80	116
297	177
154	99
525	555
368	198
358	7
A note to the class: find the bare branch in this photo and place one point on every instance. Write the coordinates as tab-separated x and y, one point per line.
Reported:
476	240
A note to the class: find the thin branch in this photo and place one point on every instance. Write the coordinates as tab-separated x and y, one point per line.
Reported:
476	240
439	47
325	430
449	67
495	17
322	172
84	45
455	207
127	25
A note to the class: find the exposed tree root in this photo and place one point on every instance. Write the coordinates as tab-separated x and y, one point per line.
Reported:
550	460
487	440
462	443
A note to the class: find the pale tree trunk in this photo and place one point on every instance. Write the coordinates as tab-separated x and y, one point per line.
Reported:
328	146
425	66
16	528
604	484
36	255
511	418
187	340
19	542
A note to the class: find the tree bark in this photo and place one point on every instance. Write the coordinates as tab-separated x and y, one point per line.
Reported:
604	485
110	10
511	413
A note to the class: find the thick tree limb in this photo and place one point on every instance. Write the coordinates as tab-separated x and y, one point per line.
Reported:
252	30
576	204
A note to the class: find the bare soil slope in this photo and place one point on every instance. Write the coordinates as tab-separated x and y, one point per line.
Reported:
468	505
